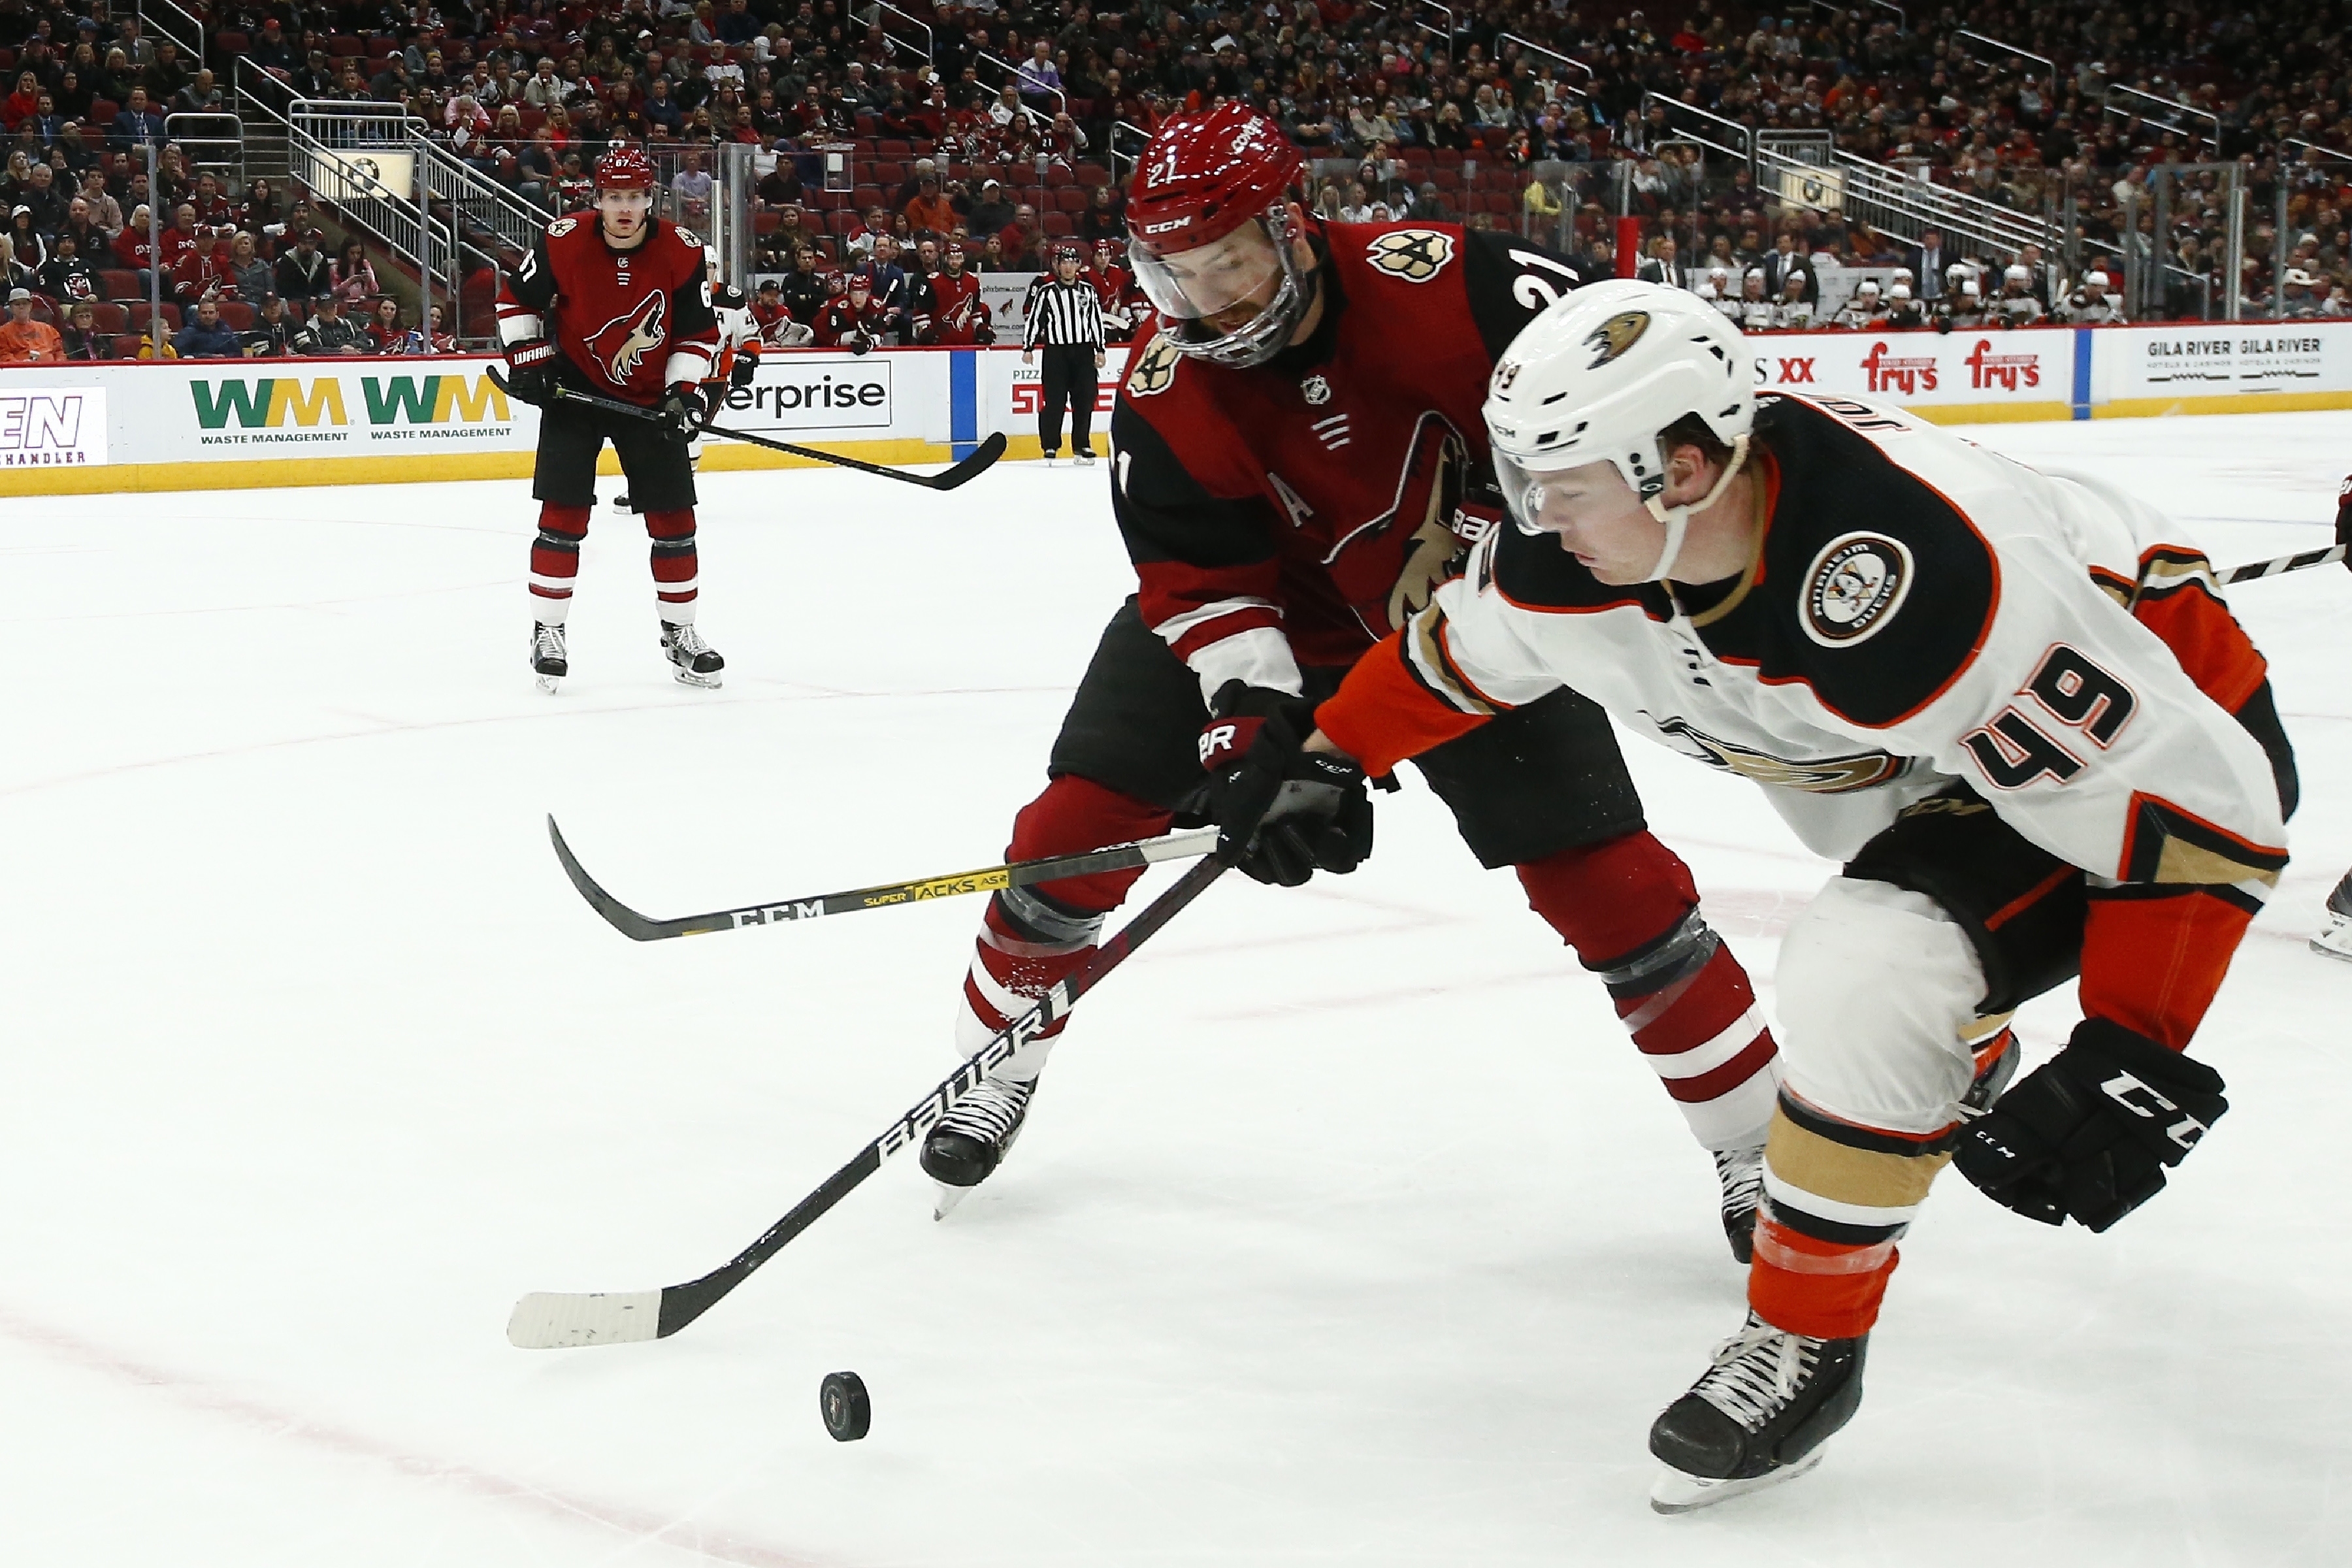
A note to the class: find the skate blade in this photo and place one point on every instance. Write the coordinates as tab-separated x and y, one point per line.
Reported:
1676	1492
2319	945
687	678
547	683
944	1202
2336	941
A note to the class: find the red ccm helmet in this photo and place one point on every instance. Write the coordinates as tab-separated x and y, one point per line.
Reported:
1208	223
624	169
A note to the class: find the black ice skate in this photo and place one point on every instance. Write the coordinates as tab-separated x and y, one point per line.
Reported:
2334	938
1740	1172
548	659
1757	1419
692	660
973	1139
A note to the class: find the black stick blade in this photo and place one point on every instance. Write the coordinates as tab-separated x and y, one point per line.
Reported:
972	468
622	918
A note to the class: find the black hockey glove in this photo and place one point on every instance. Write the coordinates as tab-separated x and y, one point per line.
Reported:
683	412
531	371
2089	1132
859	343
984	336
1283	812
746	366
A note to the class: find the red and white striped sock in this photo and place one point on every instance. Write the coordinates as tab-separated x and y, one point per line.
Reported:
555	561
1629	907
676	568
1032	937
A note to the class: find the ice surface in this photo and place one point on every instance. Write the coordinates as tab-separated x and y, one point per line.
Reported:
1348	1228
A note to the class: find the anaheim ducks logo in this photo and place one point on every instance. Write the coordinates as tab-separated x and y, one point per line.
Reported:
1155	368
1817	775
622	344
1613	337
1854	588
1415	254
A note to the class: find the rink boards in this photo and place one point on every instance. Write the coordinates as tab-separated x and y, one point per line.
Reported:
209	425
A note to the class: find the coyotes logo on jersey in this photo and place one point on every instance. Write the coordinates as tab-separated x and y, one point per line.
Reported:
622	344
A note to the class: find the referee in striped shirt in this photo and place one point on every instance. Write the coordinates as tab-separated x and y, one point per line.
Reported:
1065	316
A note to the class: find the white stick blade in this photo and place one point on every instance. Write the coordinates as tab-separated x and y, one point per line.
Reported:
555	1319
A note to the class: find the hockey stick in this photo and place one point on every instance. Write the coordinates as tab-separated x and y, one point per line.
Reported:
549	1319
970	469
2254	569
1014	874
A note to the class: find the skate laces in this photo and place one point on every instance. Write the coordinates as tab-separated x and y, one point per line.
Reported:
1756	1371
547	640
992	1110
1742	1174
685	638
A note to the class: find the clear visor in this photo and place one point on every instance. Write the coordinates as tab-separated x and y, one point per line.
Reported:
1543	501
1191	285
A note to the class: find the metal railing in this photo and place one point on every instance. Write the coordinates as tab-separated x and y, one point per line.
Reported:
1550	54
1136	138
1879	195
2044	61
928	51
211	139
162	19
489	219
1013	76
1688	123
368	167
2174	107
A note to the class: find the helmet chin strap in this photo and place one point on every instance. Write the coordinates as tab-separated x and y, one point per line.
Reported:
1677	518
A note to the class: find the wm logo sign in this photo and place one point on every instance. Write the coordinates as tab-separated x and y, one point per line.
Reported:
433	400
253	404
272	402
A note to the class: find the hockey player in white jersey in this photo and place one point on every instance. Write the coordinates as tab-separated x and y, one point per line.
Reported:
2013	704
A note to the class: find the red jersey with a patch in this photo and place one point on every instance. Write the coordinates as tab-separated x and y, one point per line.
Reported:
840	318
631	324
1295	513
956	311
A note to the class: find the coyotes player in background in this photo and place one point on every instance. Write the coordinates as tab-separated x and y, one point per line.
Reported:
1294	448
851	320
613	301
2012	704
951	312
1122	304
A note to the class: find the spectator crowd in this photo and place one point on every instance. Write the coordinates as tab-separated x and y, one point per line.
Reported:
995	129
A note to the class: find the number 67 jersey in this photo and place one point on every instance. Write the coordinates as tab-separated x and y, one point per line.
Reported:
1916	611
1294	512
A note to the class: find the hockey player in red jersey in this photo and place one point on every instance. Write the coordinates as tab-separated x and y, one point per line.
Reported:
1298	460
613	302
851	320
951	304
1122	304
2012	703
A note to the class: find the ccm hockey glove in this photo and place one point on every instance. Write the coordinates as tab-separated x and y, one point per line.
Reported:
2090	1132
1283	812
683	412
531	371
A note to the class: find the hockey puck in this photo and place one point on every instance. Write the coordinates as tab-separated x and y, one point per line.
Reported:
841	1399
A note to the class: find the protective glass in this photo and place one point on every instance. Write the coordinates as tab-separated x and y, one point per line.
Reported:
1190	285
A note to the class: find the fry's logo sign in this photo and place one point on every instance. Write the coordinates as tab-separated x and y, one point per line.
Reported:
1898	372
2007	371
273	402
